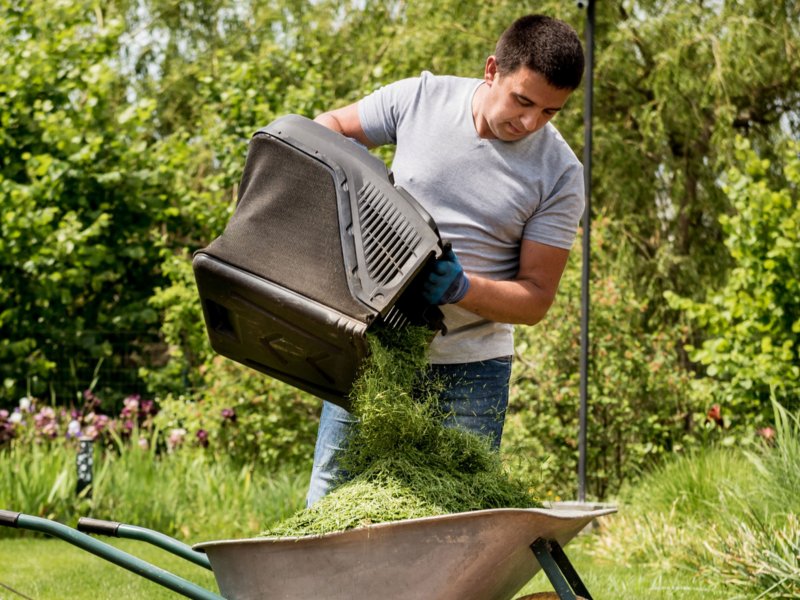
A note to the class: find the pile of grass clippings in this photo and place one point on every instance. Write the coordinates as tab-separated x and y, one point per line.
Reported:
403	463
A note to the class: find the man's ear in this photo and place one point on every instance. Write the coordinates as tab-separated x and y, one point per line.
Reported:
490	71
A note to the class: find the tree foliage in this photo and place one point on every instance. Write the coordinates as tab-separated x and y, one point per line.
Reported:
676	81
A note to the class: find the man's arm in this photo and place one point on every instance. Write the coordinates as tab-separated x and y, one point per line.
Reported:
525	299
345	120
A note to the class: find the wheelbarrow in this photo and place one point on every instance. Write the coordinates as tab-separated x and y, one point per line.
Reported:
478	555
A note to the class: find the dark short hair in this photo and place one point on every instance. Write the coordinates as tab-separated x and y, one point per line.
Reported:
544	45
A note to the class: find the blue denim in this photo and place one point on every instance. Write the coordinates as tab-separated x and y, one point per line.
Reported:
335	424
475	398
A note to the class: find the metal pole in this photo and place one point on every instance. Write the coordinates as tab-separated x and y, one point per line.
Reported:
587	174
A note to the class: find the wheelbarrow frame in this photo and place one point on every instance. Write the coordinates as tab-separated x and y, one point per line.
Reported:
547	551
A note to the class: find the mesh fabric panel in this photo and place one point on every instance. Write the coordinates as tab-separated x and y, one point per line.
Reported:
286	227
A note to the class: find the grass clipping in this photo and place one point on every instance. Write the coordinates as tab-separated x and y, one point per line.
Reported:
403	463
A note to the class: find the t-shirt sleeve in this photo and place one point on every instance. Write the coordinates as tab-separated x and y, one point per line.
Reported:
381	112
555	221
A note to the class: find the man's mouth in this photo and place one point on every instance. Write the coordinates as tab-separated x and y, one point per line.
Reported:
515	130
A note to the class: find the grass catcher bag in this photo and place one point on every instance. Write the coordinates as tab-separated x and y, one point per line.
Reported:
322	247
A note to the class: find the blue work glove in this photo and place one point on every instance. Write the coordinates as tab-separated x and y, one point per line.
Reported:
445	281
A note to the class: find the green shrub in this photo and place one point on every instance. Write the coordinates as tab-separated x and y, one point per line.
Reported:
757	551
246	415
183	330
639	410
86	193
751	325
728	514
780	462
192	493
759	559
173	480
40	479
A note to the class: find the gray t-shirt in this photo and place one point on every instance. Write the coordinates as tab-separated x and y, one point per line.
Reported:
484	195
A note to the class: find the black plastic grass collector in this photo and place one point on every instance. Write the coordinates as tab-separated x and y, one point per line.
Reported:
321	248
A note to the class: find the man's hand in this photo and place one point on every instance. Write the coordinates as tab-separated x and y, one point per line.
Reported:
445	281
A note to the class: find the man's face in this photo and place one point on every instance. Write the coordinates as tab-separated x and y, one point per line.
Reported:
516	104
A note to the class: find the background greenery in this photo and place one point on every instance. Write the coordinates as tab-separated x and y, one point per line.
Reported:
123	131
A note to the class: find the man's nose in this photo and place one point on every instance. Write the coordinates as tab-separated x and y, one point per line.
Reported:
531	120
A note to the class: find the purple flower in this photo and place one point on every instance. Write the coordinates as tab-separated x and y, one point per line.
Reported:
100	422
91	401
73	429
202	438
131	406
175	438
45	422
229	414
6	426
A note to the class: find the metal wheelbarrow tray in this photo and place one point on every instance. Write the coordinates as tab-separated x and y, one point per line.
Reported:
477	555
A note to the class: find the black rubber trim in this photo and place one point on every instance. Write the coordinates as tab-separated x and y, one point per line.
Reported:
8	518
98	526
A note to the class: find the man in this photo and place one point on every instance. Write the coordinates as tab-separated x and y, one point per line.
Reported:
503	188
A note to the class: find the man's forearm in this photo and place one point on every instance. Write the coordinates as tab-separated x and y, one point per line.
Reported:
517	301
346	121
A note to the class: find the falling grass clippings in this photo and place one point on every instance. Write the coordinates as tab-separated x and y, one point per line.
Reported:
403	463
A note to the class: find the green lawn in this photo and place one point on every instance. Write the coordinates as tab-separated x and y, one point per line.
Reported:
50	569
607	580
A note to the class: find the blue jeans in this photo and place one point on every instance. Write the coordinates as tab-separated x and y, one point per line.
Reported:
475	398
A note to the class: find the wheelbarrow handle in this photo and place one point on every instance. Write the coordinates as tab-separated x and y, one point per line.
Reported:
110	553
132	532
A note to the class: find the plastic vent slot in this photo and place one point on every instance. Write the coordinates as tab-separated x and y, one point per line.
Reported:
395	319
389	240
